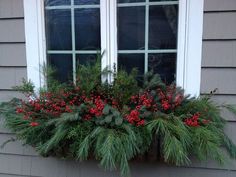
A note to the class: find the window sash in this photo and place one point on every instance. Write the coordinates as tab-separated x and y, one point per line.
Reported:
189	41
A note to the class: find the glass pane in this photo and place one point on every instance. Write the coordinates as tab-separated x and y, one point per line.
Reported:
128	1
57	2
85	59
163	64
58	29
86	2
131	28
62	63
129	61
163	27
87	29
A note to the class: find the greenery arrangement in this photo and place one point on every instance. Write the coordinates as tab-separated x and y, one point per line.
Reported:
117	122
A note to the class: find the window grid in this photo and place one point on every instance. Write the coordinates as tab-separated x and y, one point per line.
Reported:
72	7
146	50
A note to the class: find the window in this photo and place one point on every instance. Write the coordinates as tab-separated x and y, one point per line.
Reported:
72	34
147	36
162	35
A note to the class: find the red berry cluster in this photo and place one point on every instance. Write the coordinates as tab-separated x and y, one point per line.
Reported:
142	100
98	107
48	104
134	118
193	121
170	98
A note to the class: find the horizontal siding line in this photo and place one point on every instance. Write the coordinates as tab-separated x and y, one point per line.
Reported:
18	154
231	121
218	67
8	90
10	174
11	18
1	42
218	11
6	133
209	168
218	94
218	40
1	66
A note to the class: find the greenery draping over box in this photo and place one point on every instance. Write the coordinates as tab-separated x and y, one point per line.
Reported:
117	122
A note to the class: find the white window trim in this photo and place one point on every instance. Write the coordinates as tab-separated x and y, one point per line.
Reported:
190	27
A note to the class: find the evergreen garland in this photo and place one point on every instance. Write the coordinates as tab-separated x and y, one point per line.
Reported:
117	122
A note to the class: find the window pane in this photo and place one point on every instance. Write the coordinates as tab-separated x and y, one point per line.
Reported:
131	28
63	65
85	59
129	61
163	64
128	1
87	29
57	2
58	29
86	2
163	27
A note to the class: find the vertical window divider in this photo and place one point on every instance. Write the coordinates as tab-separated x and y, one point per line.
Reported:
108	12
146	35
73	40
104	15
113	37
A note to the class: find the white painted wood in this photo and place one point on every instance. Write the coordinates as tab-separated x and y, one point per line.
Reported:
113	36
181	46
192	77
105	50
190	46
35	40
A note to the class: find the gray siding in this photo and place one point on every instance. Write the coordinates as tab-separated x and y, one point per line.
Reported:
219	64
218	71
12	47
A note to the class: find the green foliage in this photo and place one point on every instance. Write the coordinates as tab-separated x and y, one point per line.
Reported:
94	119
89	76
124	86
27	87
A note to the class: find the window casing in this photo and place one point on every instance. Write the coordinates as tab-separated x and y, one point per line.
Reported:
189	40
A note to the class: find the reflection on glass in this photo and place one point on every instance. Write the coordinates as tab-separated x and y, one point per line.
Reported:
86	59
87	29
62	63
163	27
57	2
58	29
86	2
131	28
163	64
130	1
128	62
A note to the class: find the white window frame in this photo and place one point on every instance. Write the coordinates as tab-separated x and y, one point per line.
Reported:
189	49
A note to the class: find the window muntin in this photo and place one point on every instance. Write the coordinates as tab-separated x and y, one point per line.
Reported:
72	29
148	29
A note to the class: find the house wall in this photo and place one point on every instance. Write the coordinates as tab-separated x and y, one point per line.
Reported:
12	47
218	71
